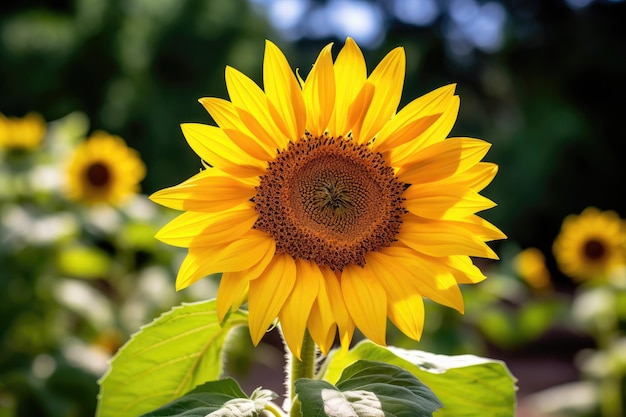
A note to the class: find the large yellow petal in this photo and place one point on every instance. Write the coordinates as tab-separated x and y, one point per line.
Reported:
283	91
242	253
321	322
345	323
319	93
464	270
295	312
231	293
358	108
350	75
475	178
388	80
480	227
414	119
233	289
225	115
208	191
268	294
437	132
214	146
366	301
444	202
442	238
253	108
426	275
405	306
208	228
444	159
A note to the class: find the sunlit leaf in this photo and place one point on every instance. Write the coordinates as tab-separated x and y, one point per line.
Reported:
166	359
367	389
467	385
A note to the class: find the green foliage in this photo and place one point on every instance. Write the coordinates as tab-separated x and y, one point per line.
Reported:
367	388
223	398
166	359
467	385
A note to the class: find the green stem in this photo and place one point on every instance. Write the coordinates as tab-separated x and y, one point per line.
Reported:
301	368
270	408
607	333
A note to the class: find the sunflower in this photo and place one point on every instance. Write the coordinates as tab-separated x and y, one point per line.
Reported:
21	133
323	207
591	244
104	170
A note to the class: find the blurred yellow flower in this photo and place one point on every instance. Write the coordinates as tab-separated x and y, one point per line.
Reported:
327	209
590	245
104	170
21	133
531	267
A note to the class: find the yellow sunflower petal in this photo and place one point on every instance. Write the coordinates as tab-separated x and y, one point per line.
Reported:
254	109
481	228
319	93
321	322
442	238
443	160
464	270
452	202
437	132
388	80
268	294
345	323
283	91
414	119
426	275
295	312
350	75
210	228
225	115
242	253
209	191
231	293
480	175
358	108
233	289
366	301
405	307
215	147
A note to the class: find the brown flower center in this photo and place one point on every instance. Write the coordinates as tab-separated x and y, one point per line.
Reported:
330	201
98	174
594	250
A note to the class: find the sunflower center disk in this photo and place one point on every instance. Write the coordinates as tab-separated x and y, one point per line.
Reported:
98	174
330	201
594	250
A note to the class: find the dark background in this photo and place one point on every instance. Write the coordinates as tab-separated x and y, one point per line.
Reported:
548	97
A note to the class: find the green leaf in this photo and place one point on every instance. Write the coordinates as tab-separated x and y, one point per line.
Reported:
166	359
223	398
369	389
467	385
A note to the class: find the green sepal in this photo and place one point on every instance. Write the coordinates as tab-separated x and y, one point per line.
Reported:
367	388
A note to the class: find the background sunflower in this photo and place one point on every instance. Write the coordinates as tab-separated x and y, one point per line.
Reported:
591	245
104	170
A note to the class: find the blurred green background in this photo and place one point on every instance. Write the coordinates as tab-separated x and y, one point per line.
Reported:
541	80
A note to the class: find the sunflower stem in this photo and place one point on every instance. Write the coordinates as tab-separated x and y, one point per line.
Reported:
301	368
